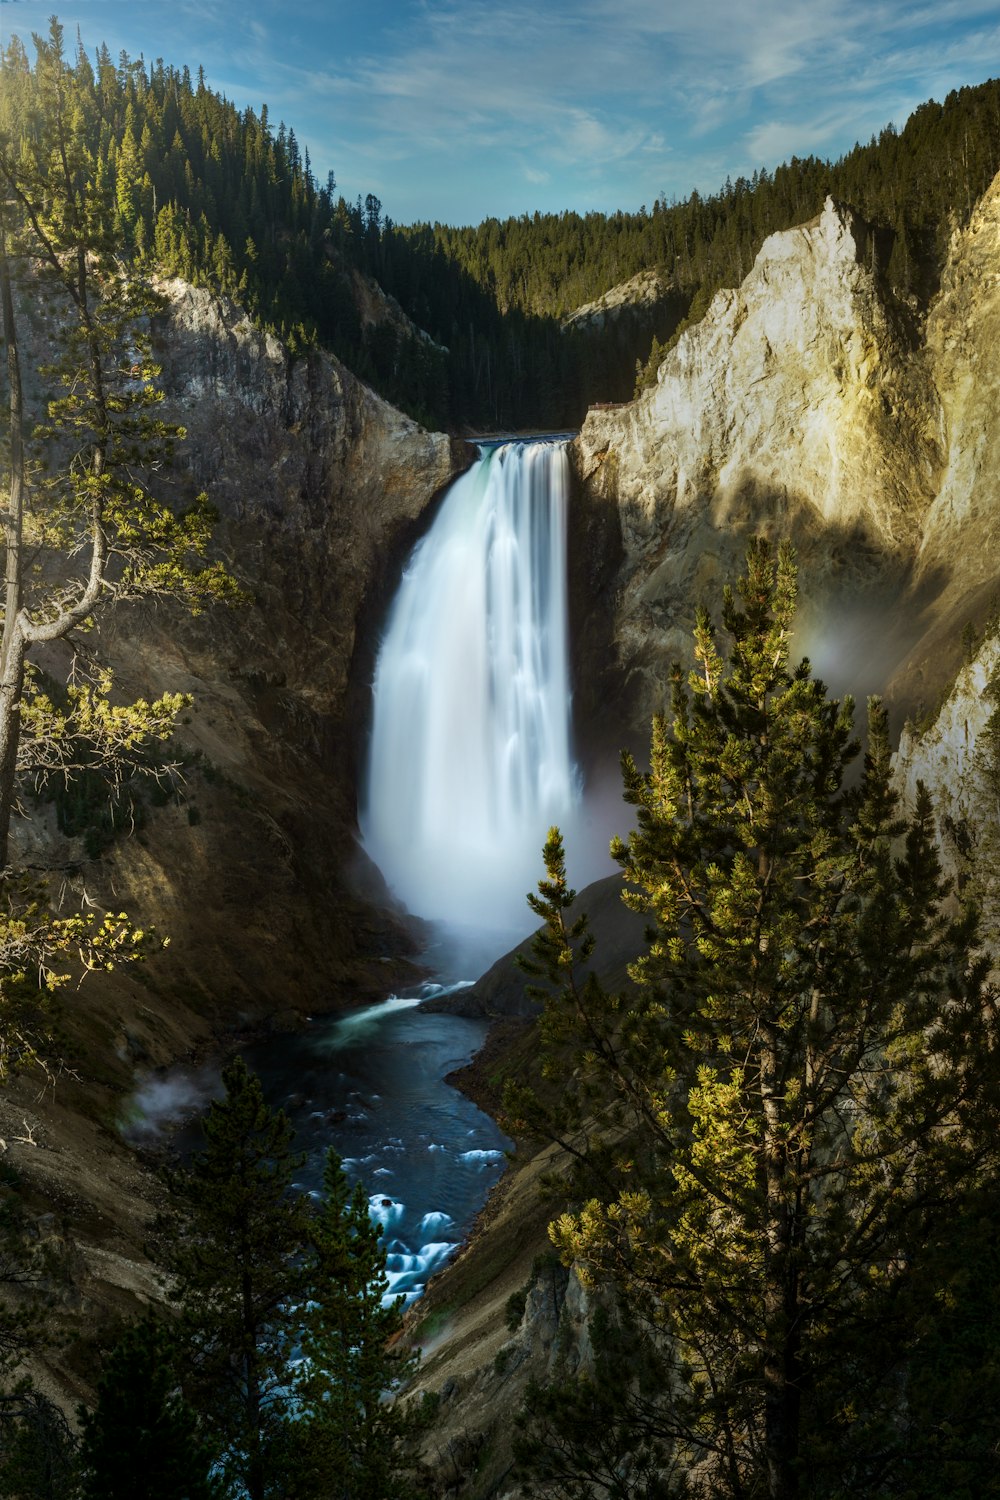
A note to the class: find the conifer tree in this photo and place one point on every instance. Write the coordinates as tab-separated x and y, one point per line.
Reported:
142	1440
235	1257
352	1437
84	530
800	1095
105	535
37	1446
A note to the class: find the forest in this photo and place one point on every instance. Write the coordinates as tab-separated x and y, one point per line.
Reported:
194	187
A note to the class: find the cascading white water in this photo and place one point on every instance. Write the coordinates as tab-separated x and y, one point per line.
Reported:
470	755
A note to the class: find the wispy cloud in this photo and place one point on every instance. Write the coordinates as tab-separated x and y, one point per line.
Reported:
460	108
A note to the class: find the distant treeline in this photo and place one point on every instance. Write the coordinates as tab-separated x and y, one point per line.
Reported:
201	189
915	186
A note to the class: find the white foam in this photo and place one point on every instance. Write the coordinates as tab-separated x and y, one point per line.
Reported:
436	1220
470	758
385	1211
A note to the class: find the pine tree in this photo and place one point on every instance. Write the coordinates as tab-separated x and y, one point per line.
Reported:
142	1441
800	1096
37	1446
95	514
352	1438
235	1258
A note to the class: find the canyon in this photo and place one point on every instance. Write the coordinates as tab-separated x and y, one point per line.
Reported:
809	403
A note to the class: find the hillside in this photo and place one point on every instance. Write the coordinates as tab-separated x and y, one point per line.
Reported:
193	187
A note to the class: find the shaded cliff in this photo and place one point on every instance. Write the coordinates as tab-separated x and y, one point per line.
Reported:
320	487
249	865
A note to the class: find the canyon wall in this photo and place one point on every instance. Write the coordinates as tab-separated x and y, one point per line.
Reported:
320	486
809	403
249	866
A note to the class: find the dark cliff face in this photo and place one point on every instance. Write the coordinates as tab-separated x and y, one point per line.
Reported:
250	867
320	487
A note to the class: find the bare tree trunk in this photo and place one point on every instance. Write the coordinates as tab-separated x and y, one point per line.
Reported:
12	646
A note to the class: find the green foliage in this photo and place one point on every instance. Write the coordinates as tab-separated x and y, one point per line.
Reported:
607	1431
185	182
92	758
282	1336
97	500
348	1435
234	1253
39	954
142	1441
800	1095
83	529
37	1448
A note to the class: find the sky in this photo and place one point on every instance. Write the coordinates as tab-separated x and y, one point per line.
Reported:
456	110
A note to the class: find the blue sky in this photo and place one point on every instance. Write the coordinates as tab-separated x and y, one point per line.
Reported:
458	109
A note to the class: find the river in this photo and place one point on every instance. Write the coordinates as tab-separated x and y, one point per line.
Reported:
470	762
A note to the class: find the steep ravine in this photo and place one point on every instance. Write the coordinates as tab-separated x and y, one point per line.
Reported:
252	870
807	402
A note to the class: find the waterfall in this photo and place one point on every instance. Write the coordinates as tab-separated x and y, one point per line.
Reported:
470	759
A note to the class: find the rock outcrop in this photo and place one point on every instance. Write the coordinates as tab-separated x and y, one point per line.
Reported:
961	533
643	292
800	405
958	564
949	754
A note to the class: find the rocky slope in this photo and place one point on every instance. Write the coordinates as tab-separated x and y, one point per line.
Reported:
249	866
956	577
641	293
320	486
956	759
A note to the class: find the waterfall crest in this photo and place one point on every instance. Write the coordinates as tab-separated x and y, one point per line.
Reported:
470	759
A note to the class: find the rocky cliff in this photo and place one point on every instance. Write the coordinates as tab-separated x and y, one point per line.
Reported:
319	485
956	757
809	403
643	292
249	865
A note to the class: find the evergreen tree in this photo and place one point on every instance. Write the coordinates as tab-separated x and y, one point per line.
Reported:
85	529
235	1257
37	1447
603	1433
808	1067
352	1437
142	1441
